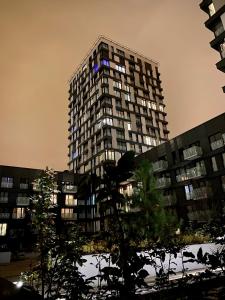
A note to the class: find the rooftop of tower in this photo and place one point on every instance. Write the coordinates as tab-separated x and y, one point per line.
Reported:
102	38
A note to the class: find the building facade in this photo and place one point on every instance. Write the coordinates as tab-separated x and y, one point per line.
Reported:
216	23
16	189
190	171
115	105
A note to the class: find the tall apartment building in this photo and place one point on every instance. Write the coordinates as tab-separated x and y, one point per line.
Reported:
216	23
115	105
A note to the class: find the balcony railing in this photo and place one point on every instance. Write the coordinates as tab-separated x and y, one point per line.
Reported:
4	215
7	185
192	152
69	189
160	165
191	173
163	182
200	193
217	144
169	200
24	186
3	199
69	216
23	201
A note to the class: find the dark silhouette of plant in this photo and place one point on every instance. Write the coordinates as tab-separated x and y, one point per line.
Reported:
60	255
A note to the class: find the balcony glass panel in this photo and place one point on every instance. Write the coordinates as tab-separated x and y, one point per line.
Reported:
163	182
160	165
192	152
217	144
22	201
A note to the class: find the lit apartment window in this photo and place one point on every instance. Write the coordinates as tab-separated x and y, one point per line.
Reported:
188	191
107	121
54	199
18	213
153	105
7	182
3	228
161	107
127	87
129	126
117	84
105	62
121	68
214	164
127	97
150	141
70	201
211	9
109	154
222	50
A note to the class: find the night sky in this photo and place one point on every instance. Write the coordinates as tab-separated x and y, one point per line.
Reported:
43	41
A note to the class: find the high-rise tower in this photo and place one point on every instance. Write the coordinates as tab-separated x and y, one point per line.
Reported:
115	105
216	23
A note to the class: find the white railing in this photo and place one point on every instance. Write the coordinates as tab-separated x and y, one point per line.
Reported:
191	173
7	185
217	144
4	215
200	193
163	182
22	201
69	189
160	165
192	152
24	186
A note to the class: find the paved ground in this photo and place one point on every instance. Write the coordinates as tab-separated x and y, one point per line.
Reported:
12	271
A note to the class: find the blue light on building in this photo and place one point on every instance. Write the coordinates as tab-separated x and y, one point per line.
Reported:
105	62
96	68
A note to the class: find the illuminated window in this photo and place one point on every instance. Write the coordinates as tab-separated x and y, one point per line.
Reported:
127	97
3	228
18	213
68	214
150	141
121	68
211	9
117	84
188	191
109	154
105	62
54	199
70	201
129	126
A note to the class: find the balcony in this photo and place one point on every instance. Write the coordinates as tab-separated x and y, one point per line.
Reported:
22	201
192	152
160	165
192	173
7	185
217	144
169	200
4	215
201	193
163	182
69	216
24	186
69	189
3	199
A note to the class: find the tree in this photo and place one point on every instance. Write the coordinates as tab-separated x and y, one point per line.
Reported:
60	254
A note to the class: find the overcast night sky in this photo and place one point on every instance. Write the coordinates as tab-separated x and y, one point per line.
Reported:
43	41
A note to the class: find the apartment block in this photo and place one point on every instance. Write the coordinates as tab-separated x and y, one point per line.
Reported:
190	172
115	105
216	23
16	210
